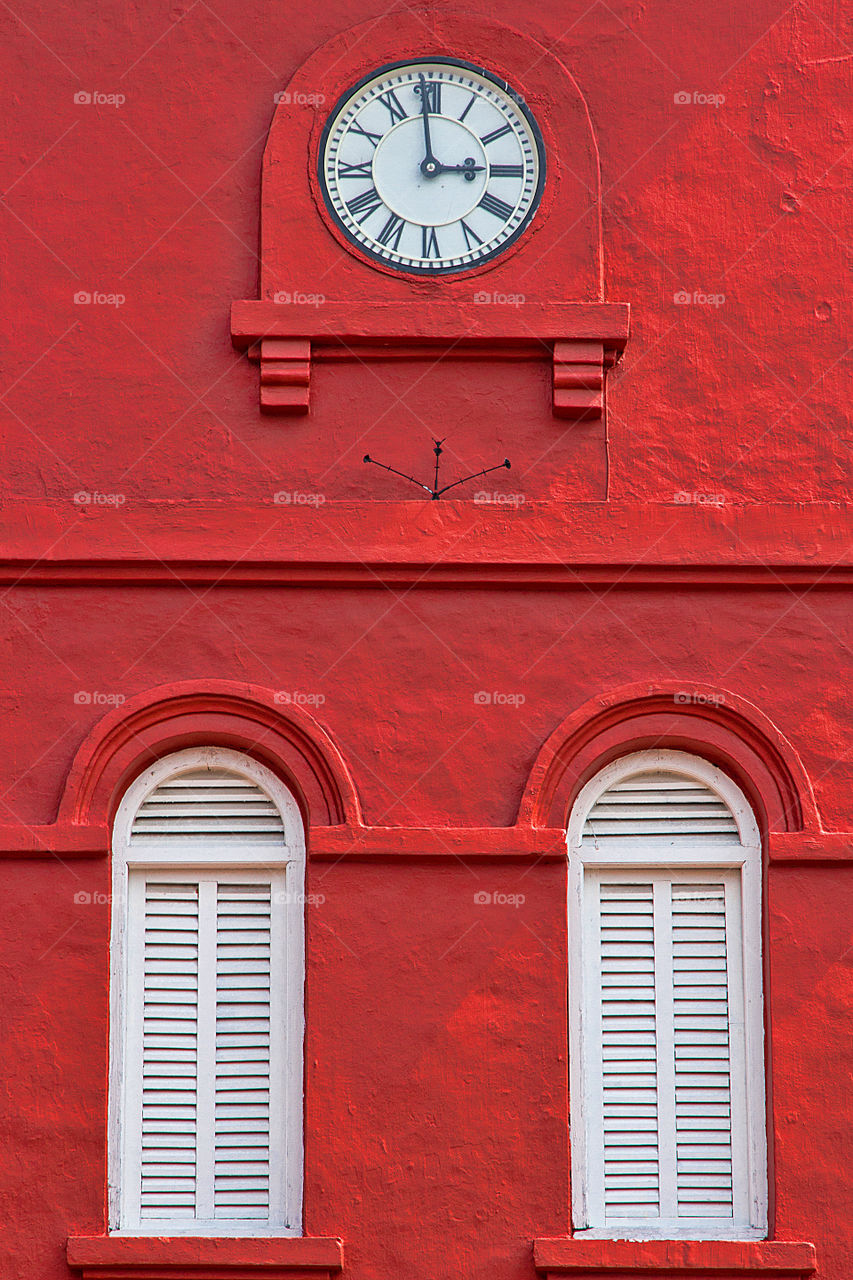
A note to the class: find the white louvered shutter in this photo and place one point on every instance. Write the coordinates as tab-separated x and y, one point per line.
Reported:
208	804
243	1105
207	1024
661	806
665	993
169	1048
205	1043
665	1071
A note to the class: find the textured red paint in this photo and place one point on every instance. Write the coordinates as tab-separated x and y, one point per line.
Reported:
436	1075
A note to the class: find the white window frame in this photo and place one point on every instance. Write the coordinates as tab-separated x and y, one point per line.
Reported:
636	855
284	865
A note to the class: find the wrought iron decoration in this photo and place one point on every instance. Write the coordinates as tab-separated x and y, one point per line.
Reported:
435	492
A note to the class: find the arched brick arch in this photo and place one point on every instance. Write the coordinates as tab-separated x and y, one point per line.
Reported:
721	727
215	713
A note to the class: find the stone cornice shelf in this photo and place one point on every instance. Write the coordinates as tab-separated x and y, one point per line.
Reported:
581	339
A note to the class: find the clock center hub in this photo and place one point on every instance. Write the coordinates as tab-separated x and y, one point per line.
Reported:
417	189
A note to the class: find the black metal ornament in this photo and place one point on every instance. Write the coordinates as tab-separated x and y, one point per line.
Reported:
435	492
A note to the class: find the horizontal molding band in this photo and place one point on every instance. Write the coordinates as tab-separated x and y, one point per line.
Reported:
385	574
290	536
66	840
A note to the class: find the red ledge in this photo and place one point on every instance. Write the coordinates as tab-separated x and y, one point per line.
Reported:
375	575
720	1259
160	1258
54	840
444	321
67	840
529	843
800	847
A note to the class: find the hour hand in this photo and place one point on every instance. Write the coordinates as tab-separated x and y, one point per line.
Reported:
468	168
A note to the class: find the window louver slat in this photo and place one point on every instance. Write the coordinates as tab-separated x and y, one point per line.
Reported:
208	804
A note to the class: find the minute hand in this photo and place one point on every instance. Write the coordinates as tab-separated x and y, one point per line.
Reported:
429	165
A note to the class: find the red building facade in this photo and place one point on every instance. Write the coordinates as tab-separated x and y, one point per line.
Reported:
527	810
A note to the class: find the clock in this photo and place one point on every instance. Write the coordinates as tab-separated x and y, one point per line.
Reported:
431	166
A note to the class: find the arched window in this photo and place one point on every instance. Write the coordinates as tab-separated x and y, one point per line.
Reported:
207	1000
666	1010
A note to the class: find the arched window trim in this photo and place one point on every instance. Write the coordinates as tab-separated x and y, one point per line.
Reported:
636	855
287	859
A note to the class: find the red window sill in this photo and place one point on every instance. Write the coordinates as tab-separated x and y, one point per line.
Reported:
697	1259
190	1258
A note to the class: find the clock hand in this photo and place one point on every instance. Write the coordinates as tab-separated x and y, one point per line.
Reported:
430	167
468	169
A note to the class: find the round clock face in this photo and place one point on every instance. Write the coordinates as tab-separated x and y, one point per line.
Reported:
432	166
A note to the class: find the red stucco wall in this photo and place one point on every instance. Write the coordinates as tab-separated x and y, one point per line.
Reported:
135	457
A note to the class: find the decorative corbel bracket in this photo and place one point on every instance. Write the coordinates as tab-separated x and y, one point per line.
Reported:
582	339
579	374
285	373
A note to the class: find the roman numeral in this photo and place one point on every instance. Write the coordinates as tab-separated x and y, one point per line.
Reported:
429	243
495	134
374	138
391	232
359	170
433	95
365	204
471	237
499	208
394	105
471	102
506	170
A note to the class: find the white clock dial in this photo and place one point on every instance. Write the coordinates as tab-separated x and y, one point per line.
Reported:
431	166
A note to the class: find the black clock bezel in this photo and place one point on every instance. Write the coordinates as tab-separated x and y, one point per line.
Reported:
380	258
